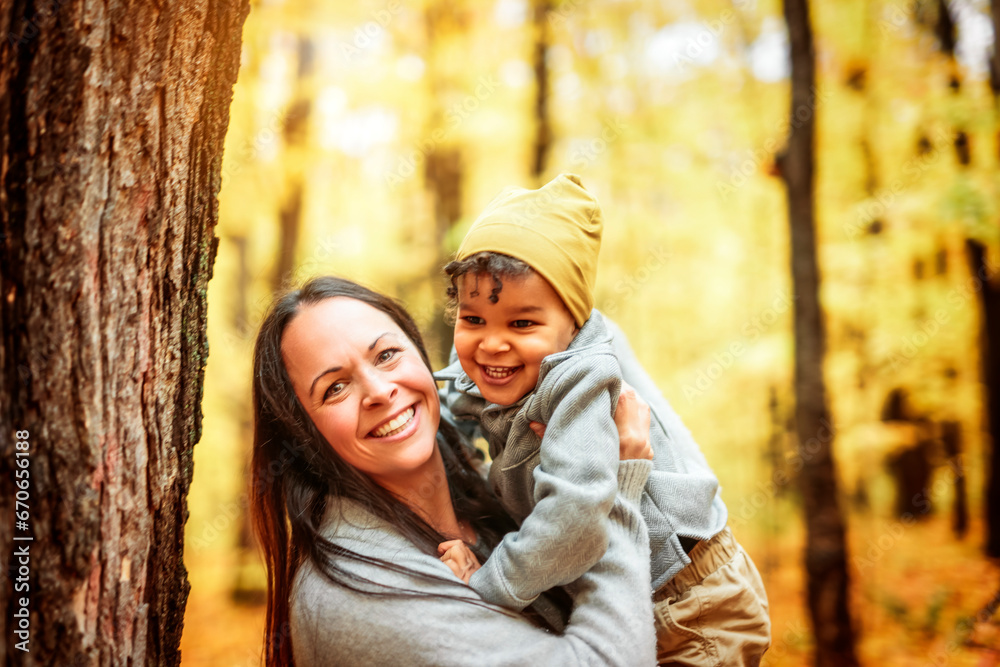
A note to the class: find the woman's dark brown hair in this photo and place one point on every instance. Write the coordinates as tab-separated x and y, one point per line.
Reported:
294	472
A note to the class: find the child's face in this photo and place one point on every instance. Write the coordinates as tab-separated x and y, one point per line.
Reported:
501	345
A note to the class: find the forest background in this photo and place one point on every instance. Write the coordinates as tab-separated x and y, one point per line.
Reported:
365	137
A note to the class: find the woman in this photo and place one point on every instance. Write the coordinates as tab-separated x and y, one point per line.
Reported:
368	503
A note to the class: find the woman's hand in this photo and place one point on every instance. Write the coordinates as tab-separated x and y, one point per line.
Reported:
632	420
456	555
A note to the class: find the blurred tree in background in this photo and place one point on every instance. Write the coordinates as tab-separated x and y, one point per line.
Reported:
826	548
382	128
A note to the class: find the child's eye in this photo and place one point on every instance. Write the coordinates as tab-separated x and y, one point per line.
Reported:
333	390
387	354
520	324
472	319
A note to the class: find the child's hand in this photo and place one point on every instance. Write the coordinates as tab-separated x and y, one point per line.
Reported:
632	420
459	558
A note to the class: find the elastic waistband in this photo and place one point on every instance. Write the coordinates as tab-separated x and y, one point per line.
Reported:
706	557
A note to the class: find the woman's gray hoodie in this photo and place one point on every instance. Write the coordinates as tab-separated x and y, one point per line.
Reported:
611	624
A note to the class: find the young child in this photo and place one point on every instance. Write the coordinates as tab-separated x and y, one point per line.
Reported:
530	348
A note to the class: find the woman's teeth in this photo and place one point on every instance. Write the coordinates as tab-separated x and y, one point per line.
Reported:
396	425
499	372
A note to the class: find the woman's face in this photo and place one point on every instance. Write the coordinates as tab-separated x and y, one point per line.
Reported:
365	386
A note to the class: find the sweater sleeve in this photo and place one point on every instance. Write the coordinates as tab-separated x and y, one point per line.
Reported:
566	532
611	623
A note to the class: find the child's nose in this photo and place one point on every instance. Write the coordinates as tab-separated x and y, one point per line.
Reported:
495	344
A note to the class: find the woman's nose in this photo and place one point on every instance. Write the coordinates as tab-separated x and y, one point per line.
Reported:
379	390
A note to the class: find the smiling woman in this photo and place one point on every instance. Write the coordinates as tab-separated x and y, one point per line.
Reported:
367	390
369	528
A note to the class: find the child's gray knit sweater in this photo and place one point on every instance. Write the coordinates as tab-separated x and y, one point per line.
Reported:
560	489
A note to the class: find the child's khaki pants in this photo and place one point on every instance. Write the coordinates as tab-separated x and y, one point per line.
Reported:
714	611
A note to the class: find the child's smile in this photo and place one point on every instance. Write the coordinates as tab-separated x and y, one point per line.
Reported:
501	345
500	373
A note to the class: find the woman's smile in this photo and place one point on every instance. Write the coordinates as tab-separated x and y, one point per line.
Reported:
403	424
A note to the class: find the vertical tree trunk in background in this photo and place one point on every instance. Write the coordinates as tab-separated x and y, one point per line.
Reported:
443	180
942	24
951	438
543	127
245	589
296	136
112	119
444	168
288	237
990	348
989	298
995	68
826	552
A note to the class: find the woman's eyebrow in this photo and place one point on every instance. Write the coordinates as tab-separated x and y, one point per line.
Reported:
333	369
375	342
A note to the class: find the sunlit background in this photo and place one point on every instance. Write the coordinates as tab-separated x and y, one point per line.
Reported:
365	137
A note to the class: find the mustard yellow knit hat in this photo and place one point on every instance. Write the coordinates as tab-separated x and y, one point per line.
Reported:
556	230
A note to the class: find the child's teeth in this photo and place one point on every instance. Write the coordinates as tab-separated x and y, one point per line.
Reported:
498	372
395	425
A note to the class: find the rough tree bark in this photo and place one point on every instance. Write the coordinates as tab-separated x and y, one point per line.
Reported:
112	119
826	551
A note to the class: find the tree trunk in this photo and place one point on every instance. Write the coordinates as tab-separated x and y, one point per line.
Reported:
296	136
995	67
951	438
989	298
990	337
444	169
543	128
113	117
826	552
288	237
443	175
946	32
995	57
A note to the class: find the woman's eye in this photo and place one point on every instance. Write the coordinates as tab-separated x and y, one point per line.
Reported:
333	390
386	355
520	324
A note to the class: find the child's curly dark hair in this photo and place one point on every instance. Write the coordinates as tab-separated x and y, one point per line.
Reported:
495	264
